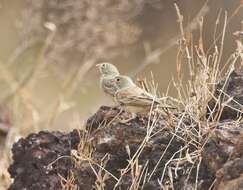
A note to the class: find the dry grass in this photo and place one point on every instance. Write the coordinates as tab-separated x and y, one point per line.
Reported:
192	101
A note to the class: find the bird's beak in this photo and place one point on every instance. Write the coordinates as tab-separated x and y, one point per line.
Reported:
97	65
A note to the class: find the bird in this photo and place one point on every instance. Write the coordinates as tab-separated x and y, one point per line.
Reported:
132	98
108	72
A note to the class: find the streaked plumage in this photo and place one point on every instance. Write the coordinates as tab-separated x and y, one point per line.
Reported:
108	72
132	98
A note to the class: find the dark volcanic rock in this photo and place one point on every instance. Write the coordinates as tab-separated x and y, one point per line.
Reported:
40	159
32	168
229	91
230	175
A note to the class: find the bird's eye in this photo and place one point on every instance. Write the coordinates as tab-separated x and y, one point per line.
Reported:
117	79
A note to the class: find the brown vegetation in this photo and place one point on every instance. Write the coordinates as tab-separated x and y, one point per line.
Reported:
196	146
174	152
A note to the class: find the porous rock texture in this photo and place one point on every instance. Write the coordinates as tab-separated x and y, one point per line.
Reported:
55	160
228	96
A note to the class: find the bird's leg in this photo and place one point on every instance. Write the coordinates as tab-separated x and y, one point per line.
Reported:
134	116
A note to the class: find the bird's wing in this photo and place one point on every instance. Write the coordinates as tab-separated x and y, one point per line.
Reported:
136	96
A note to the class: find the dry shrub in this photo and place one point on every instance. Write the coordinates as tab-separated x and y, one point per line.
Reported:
85	29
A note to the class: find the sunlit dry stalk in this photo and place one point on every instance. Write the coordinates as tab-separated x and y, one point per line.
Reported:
235	12
155	54
68	183
137	173
136	155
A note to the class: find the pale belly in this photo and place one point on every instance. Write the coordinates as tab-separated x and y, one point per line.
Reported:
135	109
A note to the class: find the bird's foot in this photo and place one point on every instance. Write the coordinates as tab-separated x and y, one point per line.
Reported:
126	121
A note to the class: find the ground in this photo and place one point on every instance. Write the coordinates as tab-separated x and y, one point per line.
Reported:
153	152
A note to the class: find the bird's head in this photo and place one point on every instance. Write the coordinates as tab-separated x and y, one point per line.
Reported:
122	81
107	69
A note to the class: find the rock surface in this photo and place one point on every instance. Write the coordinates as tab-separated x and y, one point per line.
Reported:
229	92
144	153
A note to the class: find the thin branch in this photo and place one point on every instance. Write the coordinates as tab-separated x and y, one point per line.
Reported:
154	55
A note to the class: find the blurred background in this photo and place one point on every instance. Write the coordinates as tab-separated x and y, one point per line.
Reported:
49	48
